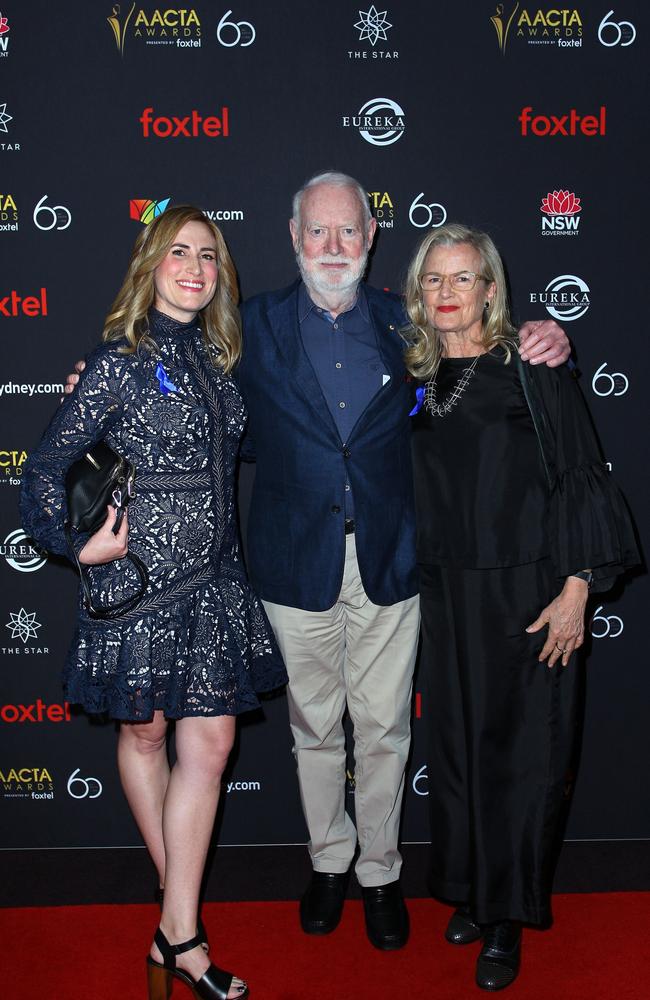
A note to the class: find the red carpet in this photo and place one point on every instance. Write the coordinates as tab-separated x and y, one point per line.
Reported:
597	950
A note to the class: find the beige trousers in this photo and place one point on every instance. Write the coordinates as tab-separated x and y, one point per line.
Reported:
361	654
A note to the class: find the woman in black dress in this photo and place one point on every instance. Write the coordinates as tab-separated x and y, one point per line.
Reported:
517	517
198	646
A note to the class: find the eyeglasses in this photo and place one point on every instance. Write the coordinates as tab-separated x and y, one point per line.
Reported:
462	281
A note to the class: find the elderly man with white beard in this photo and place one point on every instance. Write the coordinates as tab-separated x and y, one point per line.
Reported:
331	539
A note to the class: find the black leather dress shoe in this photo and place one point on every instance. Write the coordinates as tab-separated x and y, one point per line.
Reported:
497	965
387	919
462	928
322	904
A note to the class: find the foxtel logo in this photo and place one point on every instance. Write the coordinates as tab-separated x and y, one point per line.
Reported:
27	305
190	126
38	712
569	124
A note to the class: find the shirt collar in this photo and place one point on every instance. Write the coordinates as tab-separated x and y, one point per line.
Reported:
306	304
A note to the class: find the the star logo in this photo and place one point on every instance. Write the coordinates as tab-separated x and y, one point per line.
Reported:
372	24
4	118
23	625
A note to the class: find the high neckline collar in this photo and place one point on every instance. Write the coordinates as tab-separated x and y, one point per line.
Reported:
160	322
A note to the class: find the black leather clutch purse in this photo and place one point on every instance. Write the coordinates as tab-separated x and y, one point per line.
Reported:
99	479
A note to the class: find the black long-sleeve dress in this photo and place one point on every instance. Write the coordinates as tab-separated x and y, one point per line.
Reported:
494	547
199	644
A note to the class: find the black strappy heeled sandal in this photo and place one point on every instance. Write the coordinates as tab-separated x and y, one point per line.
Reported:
214	984
159	896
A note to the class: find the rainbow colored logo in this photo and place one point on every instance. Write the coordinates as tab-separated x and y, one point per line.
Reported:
145	210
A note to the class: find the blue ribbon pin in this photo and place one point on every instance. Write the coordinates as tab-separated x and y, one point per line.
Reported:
419	395
166	385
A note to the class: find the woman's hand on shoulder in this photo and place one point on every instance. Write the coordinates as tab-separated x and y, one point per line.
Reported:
104	546
73	377
565	617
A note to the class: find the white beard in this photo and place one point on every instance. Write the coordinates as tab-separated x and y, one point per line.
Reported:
335	284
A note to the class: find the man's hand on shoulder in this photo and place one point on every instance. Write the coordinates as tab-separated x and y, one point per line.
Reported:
544	342
73	378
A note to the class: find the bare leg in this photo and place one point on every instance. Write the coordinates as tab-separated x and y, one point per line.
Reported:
144	772
202	749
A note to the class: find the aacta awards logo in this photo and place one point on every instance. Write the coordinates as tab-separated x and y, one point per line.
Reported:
22	553
8	214
373	27
541	26
190	126
570	124
560	214
4	36
382	208
566	297
145	210
166	26
380	121
26	783
11	466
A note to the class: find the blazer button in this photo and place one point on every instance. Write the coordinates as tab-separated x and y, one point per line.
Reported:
336	509
346	453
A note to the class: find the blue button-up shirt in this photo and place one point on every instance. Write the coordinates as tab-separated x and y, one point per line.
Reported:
345	357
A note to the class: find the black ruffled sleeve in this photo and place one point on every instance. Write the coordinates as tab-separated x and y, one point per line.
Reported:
83	418
590	524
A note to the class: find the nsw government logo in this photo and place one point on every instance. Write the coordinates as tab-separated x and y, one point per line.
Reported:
373	27
560	214
4	36
566	297
22	553
380	121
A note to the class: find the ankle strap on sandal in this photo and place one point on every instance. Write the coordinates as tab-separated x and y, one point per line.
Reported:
169	951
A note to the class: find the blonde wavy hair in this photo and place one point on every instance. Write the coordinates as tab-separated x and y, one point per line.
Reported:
425	346
220	321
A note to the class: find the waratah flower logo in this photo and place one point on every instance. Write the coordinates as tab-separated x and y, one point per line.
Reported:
4	25
561	203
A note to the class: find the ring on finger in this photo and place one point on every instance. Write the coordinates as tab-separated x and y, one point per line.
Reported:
560	648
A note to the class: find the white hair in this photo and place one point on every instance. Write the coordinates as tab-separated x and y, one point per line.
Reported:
332	178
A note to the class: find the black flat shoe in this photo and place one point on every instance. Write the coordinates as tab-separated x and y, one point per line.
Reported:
159	896
387	919
497	965
214	984
322	904
462	928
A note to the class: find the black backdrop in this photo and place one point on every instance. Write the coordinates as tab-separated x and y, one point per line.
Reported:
477	115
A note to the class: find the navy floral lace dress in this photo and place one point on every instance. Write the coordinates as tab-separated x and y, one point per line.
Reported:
199	644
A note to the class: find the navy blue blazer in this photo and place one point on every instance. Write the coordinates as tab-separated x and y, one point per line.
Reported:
296	539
